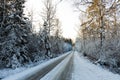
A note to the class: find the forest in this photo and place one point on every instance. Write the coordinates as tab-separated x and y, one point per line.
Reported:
19	44
99	32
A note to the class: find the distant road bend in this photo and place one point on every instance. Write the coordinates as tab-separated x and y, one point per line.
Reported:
70	66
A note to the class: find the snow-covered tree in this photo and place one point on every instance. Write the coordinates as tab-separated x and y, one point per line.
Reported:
100	31
13	33
48	15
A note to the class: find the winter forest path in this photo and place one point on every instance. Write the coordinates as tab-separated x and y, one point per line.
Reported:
71	66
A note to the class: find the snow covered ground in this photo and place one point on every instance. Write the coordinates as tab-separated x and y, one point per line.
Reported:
7	72
55	74
33	70
82	69
85	70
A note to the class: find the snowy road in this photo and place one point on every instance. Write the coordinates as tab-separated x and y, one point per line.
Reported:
82	69
85	70
73	67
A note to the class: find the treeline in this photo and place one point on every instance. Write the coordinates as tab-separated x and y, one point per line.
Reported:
100	30
19	46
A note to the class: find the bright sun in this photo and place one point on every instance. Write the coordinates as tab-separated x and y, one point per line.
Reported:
65	13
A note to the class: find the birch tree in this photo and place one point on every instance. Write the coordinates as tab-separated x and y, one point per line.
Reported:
48	16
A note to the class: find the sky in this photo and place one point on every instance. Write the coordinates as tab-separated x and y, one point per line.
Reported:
65	12
69	18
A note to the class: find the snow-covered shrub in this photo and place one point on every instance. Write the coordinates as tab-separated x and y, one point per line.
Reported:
108	55
111	53
90	49
59	46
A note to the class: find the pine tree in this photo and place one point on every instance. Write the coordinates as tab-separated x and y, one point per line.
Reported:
14	33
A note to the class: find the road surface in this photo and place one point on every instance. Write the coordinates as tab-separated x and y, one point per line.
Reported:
71	66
